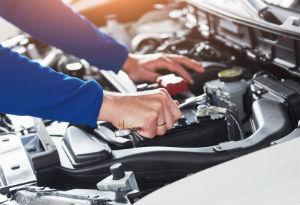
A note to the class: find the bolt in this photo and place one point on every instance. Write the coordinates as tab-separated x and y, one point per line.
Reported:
15	166
31	148
5	139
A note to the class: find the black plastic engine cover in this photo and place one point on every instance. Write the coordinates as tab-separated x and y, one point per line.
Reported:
287	92
192	132
188	131
84	149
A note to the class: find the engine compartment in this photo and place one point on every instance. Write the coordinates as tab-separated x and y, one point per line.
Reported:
247	99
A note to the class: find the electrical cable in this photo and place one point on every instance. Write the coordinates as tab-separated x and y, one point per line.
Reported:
238	124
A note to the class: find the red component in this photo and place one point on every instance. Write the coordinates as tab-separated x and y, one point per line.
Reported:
172	83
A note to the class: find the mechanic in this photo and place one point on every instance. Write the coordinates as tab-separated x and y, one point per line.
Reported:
28	88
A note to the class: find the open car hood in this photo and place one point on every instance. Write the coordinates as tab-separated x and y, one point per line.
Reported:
275	181
244	12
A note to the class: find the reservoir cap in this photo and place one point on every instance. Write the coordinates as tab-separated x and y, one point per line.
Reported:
231	75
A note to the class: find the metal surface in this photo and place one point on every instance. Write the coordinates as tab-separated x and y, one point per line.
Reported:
269	176
15	167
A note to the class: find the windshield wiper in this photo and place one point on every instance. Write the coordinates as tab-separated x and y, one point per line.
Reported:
264	11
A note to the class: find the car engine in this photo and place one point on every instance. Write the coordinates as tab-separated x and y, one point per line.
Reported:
247	99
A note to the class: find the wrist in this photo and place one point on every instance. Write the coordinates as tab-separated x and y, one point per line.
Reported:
109	108
129	64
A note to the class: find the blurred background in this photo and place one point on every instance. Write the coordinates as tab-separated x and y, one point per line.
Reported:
126	10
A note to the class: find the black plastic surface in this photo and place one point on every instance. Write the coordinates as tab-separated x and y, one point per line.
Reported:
108	136
85	148
192	134
270	121
154	166
189	131
285	92
49	157
292	135
117	171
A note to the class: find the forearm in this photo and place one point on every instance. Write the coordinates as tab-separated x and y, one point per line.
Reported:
26	88
54	23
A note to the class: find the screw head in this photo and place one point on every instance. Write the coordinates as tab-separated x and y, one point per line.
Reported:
15	166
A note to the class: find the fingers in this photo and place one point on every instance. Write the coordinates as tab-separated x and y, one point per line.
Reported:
154	125
164	113
189	63
176	102
169	118
152	112
172	107
149	125
155	122
174	64
171	66
143	67
171	110
144	75
161	123
150	76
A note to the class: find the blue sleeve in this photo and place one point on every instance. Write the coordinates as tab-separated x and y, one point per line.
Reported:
54	23
27	88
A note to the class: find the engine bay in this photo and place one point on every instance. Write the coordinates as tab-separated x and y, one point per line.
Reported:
247	99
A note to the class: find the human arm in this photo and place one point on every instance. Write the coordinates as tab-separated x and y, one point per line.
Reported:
53	22
27	88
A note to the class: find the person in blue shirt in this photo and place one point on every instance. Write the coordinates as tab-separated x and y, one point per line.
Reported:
28	88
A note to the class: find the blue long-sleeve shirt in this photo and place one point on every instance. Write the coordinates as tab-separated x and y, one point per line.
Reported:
27	88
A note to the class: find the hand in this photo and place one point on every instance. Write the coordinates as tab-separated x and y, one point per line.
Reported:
144	67
151	112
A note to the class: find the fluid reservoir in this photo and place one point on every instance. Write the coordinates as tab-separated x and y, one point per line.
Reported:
229	86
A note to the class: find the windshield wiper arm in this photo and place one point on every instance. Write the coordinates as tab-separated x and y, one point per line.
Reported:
264	11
